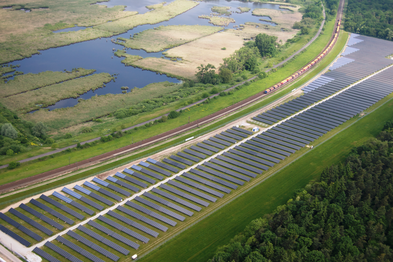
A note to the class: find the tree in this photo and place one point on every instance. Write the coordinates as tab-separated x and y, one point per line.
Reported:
173	114
305	31
225	75
9	131
39	130
10	152
207	74
266	44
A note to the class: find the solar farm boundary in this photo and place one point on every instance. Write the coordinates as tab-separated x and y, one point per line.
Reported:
40	244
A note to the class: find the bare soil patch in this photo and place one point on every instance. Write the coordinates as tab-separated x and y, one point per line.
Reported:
163	37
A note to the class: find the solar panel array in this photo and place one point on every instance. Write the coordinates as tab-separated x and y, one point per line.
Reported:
93	195
78	249
31	222
45	255
82	198
62	207
62	253
41	216
73	203
15	236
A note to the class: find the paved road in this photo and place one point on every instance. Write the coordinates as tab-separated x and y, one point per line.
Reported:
183	108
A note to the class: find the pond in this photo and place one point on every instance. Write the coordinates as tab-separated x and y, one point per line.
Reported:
98	54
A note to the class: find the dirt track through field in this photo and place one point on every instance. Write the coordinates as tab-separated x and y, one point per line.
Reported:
144	143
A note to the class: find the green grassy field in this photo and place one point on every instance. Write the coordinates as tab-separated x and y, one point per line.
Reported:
199	242
42	166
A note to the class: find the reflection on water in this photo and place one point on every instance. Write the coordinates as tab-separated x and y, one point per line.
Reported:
99	54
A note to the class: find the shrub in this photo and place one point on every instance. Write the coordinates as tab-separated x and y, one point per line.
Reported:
9	131
87	129
39	130
163	119
49	141
79	145
68	135
121	113
54	145
13	165
174	114
10	152
214	90
205	95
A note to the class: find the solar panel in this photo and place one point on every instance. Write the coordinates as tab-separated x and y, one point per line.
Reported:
140	176
242	165
159	170
41	216
236	133
181	160
142	218
104	240
192	191
20	227
279	137
61	252
15	236
110	186
78	249
113	234
123	229
257	141
52	212
93	246
226	171
205	182
218	174
62	207
148	172
212	178
231	136
176	199
254	156
93	195
173	163
211	143
290	138
170	168
73	203
242	130
218	141
133	223
151	213
159	208
194	153
187	156
132	180
103	191
227	139
255	151
123	184
31	222
169	204
215	150
184	195
45	255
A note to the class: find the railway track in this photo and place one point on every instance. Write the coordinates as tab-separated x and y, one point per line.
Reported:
147	142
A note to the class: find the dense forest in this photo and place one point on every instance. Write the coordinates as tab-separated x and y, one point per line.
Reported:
371	18
346	216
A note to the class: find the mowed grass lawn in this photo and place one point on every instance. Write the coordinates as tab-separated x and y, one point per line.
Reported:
199	242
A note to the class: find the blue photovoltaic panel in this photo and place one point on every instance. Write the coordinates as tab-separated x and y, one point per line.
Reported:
142	218
78	249
159	208
212	178
192	191
200	187
72	193
20	227
99	181
82	189
91	185
30	221
174	170
123	184
15	236
174	163
133	180
52	212
151	213
221	175
93	246
133	223
112	179
168	204
104	240
184	195
226	171
41	216
120	175
60	196
62	207
176	199
45	255
61	252
242	130
151	160
159	170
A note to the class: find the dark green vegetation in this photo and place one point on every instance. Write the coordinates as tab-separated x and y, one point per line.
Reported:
345	216
199	244
371	18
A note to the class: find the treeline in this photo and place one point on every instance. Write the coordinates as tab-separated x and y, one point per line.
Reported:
346	216
371	18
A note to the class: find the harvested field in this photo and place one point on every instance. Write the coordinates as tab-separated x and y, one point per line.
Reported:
129	59
163	37
285	19
49	95
23	83
208	50
160	14
98	106
218	20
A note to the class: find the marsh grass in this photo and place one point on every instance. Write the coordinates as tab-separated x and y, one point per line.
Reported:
222	10
27	82
49	95
218	20
163	37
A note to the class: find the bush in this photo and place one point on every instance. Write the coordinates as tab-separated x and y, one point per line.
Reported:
10	152
49	141
87	129
174	114
68	135
54	145
9	131
163	119
205	95
39	130
262	75
214	90
13	165
121	113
